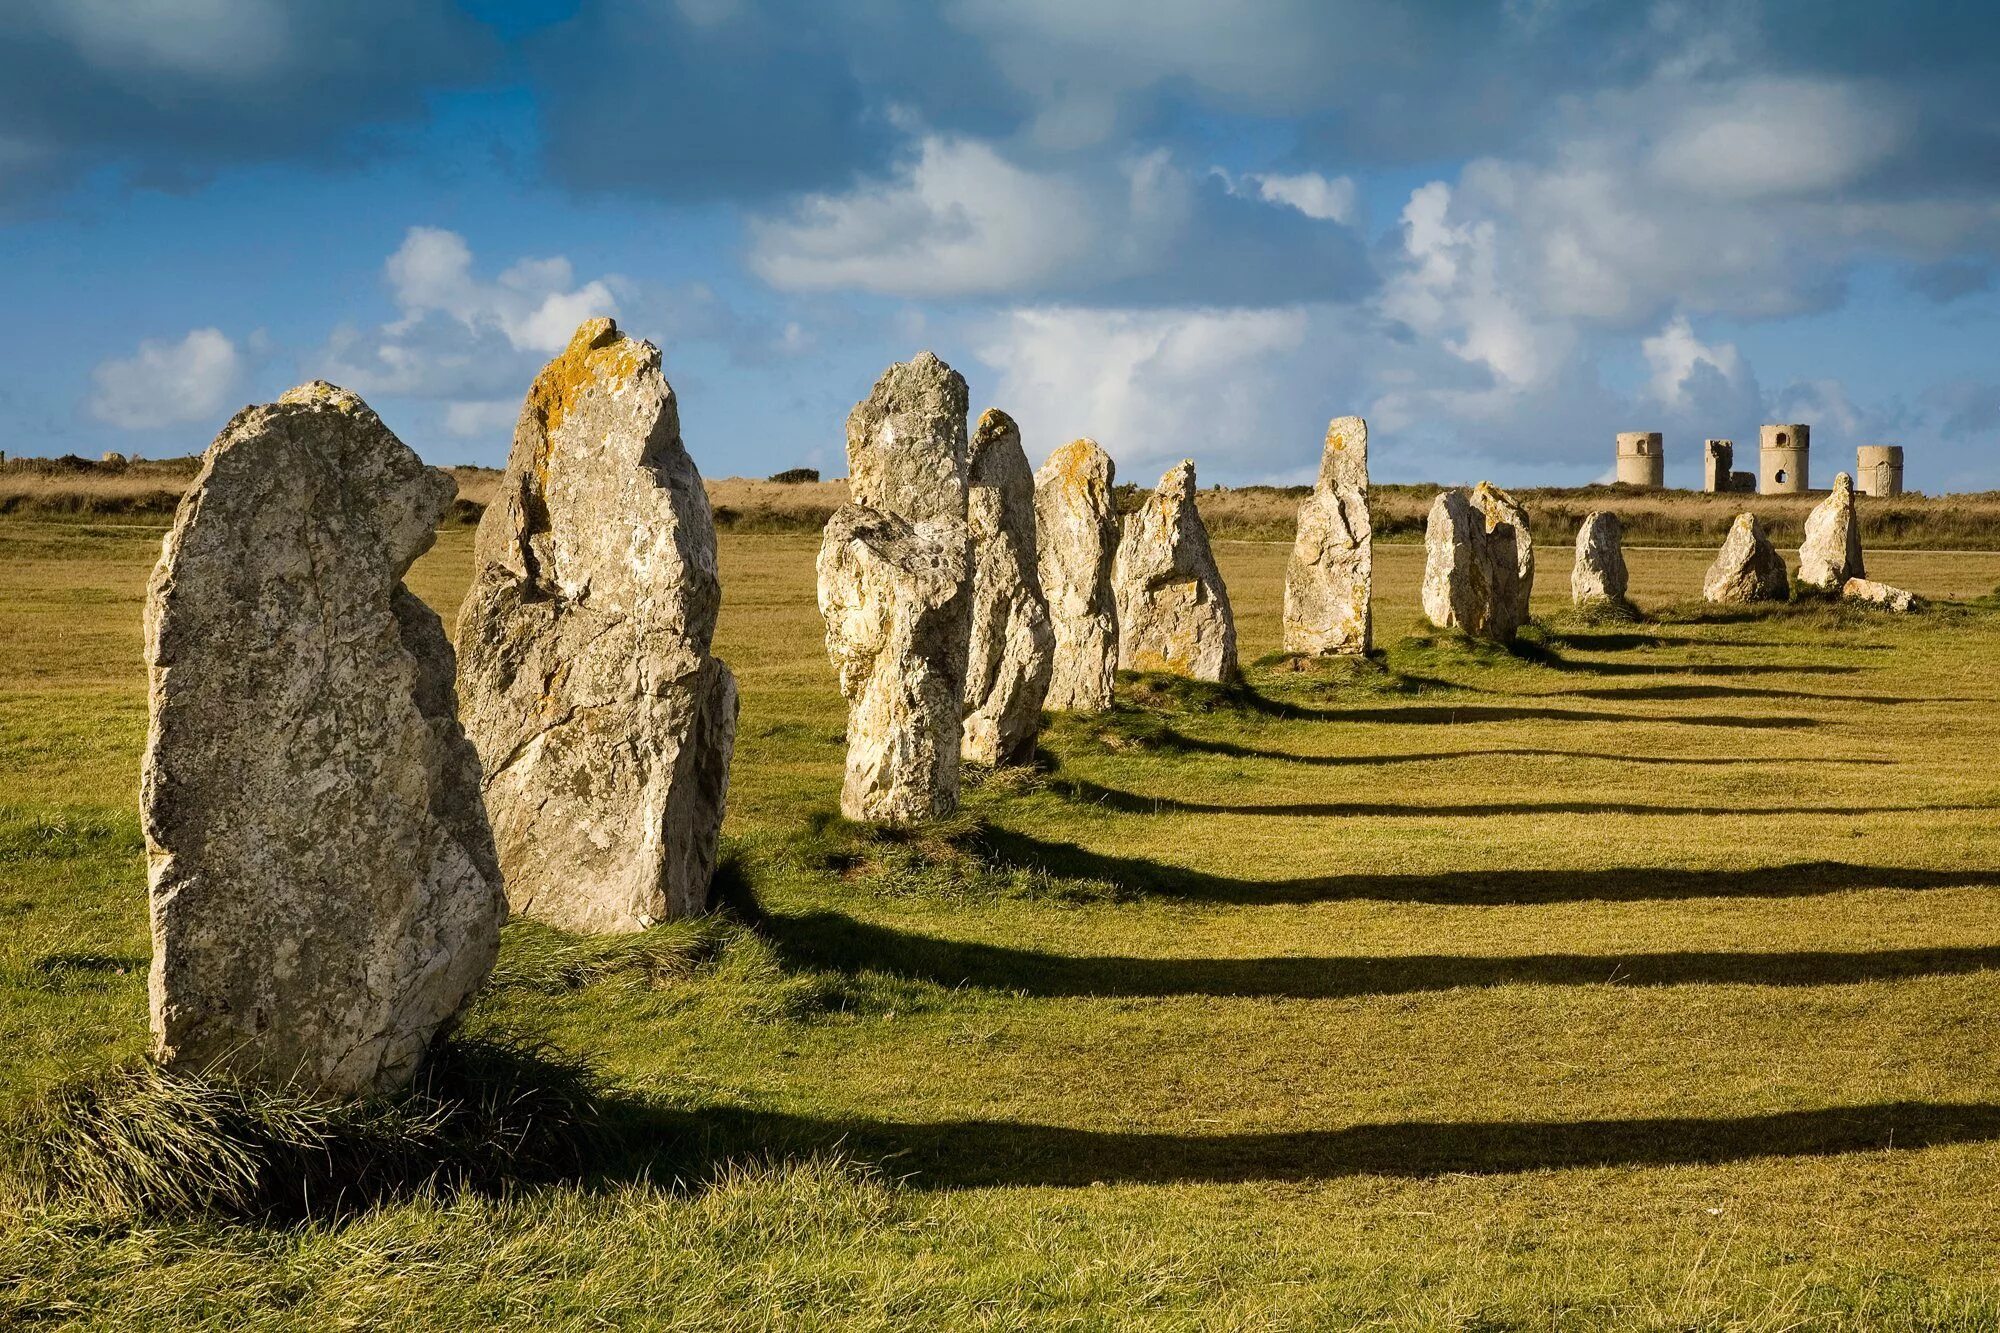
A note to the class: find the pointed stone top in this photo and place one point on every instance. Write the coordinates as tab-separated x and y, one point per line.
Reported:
597	354
906	442
319	393
1178	482
1843	485
994	426
1343	461
1079	465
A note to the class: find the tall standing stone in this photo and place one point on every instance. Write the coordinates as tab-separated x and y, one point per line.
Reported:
1747	568
1328	578
895	590
1013	645
323	886
1076	541
1173	608
1599	574
604	723
1479	565
1831	554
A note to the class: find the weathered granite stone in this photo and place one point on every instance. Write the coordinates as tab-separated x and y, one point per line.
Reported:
906	447
1173	609
1076	541
1473	566
897	601
1510	541
1748	568
1884	595
1013	645
324	890
1831	554
1599	574
895	589
604	724
1328	578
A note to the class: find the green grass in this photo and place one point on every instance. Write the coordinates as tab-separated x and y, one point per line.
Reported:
1646	976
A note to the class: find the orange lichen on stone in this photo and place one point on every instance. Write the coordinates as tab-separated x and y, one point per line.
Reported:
596	352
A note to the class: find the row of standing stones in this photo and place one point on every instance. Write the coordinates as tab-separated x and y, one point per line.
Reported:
340	811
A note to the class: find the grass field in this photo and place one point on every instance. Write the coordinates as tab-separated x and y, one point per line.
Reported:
1648	978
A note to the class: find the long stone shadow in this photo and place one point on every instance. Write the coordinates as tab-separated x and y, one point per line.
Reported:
1126	802
963	1154
1690	692
1172	738
831	941
1462	714
1626	640
1470	887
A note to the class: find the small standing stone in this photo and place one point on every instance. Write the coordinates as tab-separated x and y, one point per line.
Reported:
605	724
323	884
1013	645
1076	541
1599	574
1479	565
1831	554
1509	542
1328	578
1173	609
895	590
1748	568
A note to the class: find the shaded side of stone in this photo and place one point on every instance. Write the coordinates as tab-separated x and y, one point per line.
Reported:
1012	651
1076	544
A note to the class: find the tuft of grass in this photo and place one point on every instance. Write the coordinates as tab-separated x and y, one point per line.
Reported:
144	1141
537	957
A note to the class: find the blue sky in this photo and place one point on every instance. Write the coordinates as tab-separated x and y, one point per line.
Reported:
1501	232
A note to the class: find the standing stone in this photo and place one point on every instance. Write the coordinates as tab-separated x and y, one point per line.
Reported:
1173	609
1479	563
1328	578
323	886
1013	645
604	724
895	590
1748	568
1831	554
1599	574
1076	541
1509	542
897	604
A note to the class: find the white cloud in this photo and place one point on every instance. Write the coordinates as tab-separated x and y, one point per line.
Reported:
536	303
231	40
168	384
1767	137
1152	386
482	418
1316	196
1674	353
959	219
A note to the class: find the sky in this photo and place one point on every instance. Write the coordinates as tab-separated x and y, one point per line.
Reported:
1501	232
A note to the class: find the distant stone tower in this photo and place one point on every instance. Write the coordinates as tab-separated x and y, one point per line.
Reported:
1717	457
1783	459
1879	469
1642	460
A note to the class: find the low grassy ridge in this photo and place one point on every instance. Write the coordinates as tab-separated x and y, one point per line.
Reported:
1647	977
148	492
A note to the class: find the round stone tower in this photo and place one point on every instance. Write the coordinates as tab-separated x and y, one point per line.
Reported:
1783	458
1878	469
1642	460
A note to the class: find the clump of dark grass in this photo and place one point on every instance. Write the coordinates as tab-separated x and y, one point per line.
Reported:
536	957
486	1113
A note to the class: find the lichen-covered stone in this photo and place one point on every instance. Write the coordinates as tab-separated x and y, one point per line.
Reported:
906	446
323	885
1076	542
1173	608
1599	573
1509	537
897	602
1012	649
1328	579
1831	554
605	725
1884	595
1476	560
1747	568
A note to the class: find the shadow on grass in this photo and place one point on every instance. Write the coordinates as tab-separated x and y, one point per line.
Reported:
960	1154
1171	738
1673	692
1008	848
1126	802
